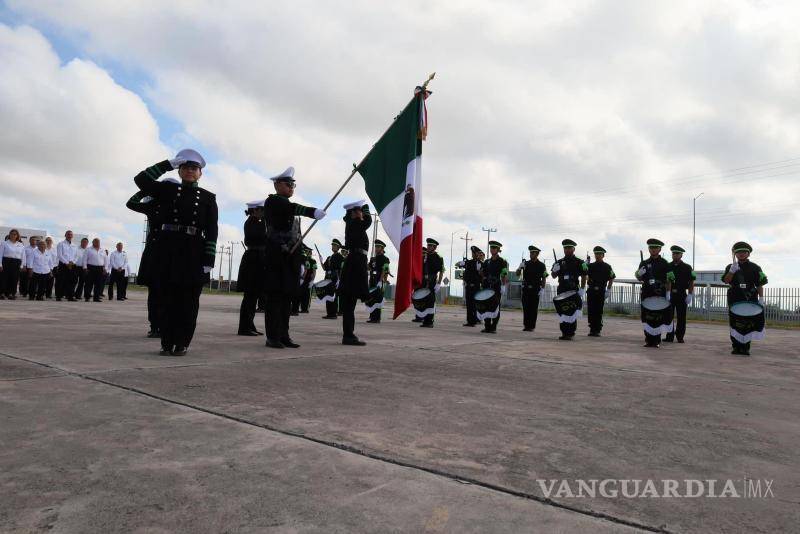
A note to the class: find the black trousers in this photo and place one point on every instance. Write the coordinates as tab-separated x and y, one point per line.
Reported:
305	297
530	306
739	345
65	283
595	300
11	276
95	278
80	281
37	284
375	315
491	324
119	279
568	329
276	316
247	312
469	298
178	305
677	301
348	303
51	282
152	308
24	281
332	307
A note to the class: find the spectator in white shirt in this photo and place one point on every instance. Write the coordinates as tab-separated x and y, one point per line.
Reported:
51	253
81	273
95	263
67	254
25	273
40	271
118	266
13	250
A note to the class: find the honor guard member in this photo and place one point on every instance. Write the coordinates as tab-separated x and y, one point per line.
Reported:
416	318
681	293
143	203
746	281
186	246
495	277
67	254
353	284
571	273
252	267
333	269
282	265
432	272
309	273
534	278
601	277
472	282
654	273
378	275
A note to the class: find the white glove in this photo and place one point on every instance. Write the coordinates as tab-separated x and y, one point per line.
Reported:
608	296
503	290
667	296
541	291
177	161
761	301
319	214
436	288
582	293
206	269
689	299
380	284
641	271
734	267
556	267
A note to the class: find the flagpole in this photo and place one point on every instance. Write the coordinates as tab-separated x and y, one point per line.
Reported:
355	168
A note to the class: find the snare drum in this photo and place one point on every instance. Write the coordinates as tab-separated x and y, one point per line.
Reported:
487	304
424	301
374	299
747	321
656	316
325	290
568	306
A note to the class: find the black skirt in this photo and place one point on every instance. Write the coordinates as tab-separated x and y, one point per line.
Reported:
251	272
353	281
178	260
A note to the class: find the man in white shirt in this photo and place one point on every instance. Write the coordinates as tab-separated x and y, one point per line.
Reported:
25	273
51	253
81	274
94	263
67	255
38	263
118	266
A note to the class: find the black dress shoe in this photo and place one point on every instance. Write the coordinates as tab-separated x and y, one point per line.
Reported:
248	333
353	341
329	317
287	342
165	351
564	338
274	343
97	300
179	351
58	299
294	314
681	341
372	322
70	300
468	324
303	311
593	334
256	332
416	320
426	325
152	334
527	329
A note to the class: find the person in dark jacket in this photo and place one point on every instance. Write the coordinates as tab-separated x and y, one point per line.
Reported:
251	269
656	278
746	281
534	278
601	278
571	273
682	292
333	269
472	283
353	284
186	247
283	257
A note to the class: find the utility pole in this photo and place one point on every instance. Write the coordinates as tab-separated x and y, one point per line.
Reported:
694	224
489	232
466	240
230	263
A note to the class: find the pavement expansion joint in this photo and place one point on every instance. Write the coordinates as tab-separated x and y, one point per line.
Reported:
357	451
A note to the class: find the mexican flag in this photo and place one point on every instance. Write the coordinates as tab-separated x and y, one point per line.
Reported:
392	173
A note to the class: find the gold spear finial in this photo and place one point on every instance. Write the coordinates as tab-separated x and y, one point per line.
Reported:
425	85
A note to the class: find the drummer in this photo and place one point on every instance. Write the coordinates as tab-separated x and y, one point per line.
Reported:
378	277
333	268
656	278
747	281
570	271
495	277
472	282
432	271
418	318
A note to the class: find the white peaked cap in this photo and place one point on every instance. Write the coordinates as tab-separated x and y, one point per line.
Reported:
192	155
255	204
288	174
356	204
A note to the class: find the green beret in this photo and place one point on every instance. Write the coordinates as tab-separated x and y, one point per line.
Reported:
653	242
741	246
568	243
676	248
599	249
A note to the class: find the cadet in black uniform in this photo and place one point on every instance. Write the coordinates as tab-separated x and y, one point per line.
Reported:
601	278
472	283
353	285
418	319
747	281
185	248
432	271
495	277
655	275
571	273
681	293
309	273
333	269
282	264
378	275
534	278
141	202
252	267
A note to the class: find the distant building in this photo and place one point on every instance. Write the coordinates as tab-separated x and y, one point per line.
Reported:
24	233
709	277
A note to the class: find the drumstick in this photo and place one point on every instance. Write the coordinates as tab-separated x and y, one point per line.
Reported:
321	261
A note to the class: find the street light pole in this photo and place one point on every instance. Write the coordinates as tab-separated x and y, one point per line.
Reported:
694	225
466	240
450	269
489	232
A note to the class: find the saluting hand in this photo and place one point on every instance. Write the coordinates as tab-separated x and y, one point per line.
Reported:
734	267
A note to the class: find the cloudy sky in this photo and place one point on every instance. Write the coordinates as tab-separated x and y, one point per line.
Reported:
594	120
